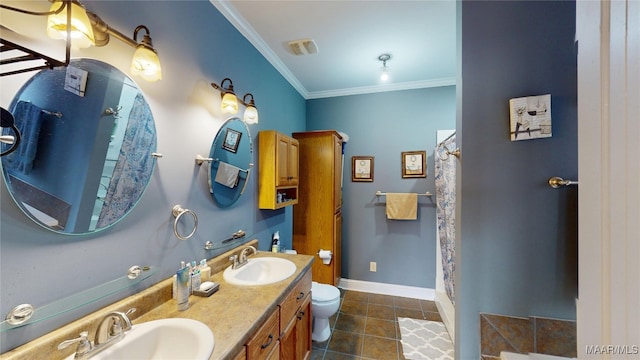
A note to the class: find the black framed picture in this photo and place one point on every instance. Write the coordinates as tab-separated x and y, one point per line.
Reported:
231	140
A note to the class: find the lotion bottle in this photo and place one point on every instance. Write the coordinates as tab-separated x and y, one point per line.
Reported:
275	242
182	288
205	270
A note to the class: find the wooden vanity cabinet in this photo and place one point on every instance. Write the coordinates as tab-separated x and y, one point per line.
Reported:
278	170
265	344
296	321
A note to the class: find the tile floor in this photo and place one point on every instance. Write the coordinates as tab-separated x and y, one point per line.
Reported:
366	326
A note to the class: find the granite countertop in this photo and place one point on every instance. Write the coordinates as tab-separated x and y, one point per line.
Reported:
233	313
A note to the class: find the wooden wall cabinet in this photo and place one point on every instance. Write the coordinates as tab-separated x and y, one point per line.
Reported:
317	218
278	170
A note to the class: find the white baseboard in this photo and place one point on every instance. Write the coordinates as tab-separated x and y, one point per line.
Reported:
388	289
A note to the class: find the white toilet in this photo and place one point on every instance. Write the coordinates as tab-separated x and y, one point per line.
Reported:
325	301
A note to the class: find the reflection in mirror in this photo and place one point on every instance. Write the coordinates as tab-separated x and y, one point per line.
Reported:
85	156
231	162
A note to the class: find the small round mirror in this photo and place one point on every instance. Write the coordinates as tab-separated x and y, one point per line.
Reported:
85	156
231	162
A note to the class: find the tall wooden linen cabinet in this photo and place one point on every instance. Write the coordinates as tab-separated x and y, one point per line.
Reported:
317	218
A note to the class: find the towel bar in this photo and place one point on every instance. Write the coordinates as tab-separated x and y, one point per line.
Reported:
380	193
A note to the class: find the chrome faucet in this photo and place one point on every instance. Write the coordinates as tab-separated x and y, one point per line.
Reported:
111	329
241	260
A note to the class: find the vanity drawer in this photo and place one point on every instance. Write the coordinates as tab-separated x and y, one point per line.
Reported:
261	345
290	305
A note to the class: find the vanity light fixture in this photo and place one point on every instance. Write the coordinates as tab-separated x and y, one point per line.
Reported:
69	20
384	76
229	104
81	29
145	62
251	112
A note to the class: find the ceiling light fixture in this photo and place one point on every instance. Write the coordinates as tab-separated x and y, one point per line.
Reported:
229	104
384	76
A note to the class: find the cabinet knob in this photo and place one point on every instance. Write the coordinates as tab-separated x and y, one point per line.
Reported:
300	296
300	315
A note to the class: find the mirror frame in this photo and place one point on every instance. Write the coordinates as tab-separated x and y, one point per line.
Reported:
45	193
232	145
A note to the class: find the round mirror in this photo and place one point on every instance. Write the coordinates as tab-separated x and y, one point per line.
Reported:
231	159
85	156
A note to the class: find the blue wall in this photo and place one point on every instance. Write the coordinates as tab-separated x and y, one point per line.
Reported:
197	46
383	125
517	245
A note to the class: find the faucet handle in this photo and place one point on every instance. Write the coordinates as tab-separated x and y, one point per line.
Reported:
84	345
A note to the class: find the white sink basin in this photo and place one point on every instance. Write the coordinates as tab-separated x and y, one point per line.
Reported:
260	271
162	339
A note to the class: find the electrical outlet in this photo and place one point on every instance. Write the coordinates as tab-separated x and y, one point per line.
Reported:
373	266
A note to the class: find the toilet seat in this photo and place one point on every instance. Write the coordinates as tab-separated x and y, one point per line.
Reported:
323	293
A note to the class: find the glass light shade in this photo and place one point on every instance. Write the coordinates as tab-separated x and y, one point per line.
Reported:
251	115
81	29
146	64
229	104
384	76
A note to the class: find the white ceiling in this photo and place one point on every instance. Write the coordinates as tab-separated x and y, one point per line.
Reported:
420	36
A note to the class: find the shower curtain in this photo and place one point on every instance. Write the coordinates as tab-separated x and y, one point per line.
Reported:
445	180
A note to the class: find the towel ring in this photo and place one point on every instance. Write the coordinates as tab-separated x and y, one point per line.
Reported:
177	212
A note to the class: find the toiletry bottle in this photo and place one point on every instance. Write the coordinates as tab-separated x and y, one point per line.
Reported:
183	290
175	282
195	277
275	242
205	270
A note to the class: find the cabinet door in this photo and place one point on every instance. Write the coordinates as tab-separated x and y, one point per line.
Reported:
337	173
337	245
282	160
303	330
292	162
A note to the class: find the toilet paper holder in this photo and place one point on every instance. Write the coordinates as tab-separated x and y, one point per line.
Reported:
326	256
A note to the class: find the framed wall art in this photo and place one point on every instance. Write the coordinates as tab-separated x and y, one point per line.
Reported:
362	168
231	140
414	164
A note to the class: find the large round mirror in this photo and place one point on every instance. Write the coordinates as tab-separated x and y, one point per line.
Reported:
231	159
85	157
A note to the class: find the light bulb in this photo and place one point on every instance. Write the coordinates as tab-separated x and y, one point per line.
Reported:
384	76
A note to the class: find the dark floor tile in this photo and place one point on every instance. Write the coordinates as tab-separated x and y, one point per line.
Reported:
409	313
380	348
555	337
351	323
381	312
356	296
354	307
346	342
317	354
382	328
330	355
381	299
432	316
428	305
408	303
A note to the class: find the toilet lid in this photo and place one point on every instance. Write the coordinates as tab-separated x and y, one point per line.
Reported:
324	292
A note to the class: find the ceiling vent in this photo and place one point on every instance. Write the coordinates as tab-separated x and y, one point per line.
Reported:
303	47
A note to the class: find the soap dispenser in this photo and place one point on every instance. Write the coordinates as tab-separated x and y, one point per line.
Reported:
275	242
